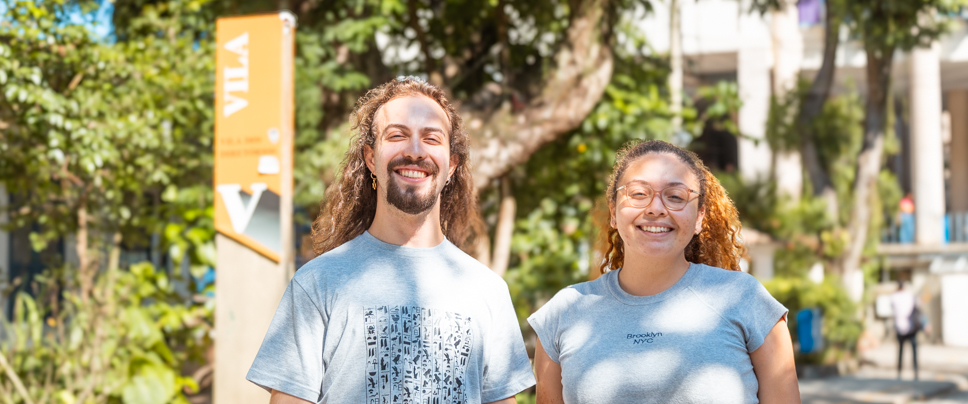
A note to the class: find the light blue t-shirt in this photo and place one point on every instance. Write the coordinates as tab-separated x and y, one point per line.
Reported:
688	344
371	322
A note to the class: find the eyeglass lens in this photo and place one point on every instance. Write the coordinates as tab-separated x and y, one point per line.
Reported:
674	198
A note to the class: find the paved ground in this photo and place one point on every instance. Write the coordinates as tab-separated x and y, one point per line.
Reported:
943	379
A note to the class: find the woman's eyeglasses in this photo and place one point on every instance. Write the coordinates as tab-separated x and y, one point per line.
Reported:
640	195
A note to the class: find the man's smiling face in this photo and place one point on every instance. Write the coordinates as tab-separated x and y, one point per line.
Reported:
411	156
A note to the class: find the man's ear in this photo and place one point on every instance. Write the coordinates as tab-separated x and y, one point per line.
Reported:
368	158
454	162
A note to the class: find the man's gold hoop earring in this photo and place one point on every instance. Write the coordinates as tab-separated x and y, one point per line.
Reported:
374	180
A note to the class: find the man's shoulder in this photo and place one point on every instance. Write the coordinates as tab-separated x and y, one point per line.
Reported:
471	266
339	257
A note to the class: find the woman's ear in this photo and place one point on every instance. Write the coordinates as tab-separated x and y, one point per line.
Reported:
611	216
699	219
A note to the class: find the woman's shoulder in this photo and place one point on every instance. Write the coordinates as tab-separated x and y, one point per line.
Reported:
716	276
575	295
732	291
723	282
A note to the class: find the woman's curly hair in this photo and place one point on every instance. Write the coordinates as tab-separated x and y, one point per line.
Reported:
350	203
718	244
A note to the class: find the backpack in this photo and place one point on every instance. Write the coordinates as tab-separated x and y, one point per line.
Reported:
917	320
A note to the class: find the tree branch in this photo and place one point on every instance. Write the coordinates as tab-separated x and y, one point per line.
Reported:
570	91
812	107
430	64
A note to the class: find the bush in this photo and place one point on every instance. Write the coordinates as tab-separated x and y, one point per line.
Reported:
126	343
841	327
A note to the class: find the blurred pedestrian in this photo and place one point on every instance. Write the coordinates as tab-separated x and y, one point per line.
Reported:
392	311
666	322
907	323
907	219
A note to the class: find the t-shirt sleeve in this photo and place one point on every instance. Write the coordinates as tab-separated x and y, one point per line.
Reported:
290	359
545	324
507	369
762	311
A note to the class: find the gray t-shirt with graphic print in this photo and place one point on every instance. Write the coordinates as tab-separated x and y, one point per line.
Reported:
689	344
371	322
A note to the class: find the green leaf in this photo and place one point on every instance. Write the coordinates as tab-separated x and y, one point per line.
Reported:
151	384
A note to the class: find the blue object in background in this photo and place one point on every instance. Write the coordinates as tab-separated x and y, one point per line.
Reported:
906	235
808	330
207	279
947	228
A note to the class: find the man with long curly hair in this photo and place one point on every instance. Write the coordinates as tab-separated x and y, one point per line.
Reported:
392	310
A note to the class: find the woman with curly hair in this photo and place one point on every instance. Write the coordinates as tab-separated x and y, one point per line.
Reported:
672	319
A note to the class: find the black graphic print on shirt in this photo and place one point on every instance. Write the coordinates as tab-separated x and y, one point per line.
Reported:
416	355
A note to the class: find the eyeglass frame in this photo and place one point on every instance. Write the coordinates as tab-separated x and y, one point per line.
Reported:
657	192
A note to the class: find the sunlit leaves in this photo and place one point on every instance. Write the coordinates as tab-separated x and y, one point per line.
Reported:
121	129
114	347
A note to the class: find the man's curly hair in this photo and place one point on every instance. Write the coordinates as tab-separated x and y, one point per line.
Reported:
350	203
718	244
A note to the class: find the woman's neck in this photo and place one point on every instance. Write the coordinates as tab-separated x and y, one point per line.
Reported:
647	276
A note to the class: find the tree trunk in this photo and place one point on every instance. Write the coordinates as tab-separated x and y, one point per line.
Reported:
583	68
84	272
114	258
504	229
812	107
879	63
675	62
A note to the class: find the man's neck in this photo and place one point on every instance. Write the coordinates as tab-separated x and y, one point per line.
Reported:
392	226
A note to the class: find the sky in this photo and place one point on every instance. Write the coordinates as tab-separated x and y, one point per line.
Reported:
98	22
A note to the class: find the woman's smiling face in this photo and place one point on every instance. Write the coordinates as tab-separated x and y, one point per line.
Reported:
656	231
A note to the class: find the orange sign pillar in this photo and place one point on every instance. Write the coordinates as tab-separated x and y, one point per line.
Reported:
253	190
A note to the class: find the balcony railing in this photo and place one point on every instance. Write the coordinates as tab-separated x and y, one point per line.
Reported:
902	232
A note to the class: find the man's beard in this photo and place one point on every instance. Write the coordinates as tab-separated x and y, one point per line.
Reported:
406	198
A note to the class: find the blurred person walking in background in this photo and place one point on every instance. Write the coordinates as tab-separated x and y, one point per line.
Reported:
672	319
907	323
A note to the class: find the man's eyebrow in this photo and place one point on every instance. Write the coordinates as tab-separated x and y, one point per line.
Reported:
405	128
432	129
397	126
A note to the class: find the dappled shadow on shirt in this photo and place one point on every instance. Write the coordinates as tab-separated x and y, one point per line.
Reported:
688	348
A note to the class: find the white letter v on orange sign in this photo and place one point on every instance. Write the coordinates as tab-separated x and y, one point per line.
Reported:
240	214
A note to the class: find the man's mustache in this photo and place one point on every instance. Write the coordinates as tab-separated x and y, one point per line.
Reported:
424	164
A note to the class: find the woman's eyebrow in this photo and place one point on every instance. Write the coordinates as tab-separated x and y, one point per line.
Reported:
668	184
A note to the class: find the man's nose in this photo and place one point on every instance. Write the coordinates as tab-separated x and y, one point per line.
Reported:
415	148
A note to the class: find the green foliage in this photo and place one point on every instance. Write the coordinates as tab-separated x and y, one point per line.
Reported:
900	24
102	138
126	343
526	398
723	107
811	235
840	326
116	130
